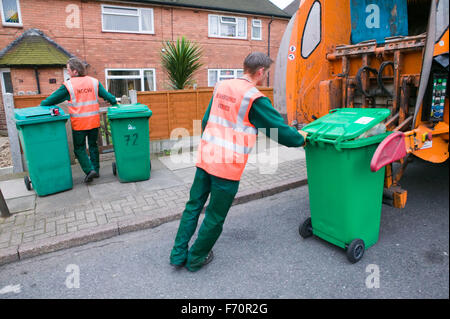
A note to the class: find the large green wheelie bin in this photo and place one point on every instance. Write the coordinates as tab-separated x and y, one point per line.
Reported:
131	141
42	133
345	195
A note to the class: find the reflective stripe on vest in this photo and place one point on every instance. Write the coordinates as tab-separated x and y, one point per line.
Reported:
236	127
86	114
229	136
84	106
226	144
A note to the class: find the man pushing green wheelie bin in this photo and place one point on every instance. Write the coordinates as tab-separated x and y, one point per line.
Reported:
230	126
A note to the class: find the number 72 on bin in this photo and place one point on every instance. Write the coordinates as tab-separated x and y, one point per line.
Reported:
133	138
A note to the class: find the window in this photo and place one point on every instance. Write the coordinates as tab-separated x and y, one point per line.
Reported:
11	13
5	81
66	74
126	19
120	81
227	27
312	31
256	30
441	19
216	75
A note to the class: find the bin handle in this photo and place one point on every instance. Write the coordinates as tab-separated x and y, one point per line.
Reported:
313	137
335	142
319	137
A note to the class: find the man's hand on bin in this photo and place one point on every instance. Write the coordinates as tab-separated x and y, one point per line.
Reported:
304	134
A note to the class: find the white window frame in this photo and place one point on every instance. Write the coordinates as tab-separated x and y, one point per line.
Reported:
2	84
66	75
235	76
133	77
139	15
11	24
257	26
219	24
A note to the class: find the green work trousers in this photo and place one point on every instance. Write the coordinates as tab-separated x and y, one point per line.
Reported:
91	162
222	192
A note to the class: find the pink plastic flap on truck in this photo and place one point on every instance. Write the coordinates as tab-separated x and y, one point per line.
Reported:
391	149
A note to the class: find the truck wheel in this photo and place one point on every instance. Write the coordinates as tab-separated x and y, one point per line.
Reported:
27	181
305	229
114	168
355	250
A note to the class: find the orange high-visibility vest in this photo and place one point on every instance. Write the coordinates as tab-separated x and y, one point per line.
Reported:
84	108
229	136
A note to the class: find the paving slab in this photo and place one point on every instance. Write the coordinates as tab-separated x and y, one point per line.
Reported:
179	161
20	204
157	164
78	195
186	174
111	190
159	179
15	188
106	173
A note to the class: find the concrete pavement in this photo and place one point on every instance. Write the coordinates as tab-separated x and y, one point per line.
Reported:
107	208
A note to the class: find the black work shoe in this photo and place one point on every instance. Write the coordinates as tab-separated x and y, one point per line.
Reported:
89	177
209	258
178	266
97	175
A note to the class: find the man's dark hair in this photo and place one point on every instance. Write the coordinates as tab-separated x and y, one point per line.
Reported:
78	65
255	61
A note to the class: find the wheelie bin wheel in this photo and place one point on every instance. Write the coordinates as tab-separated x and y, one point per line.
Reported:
114	168
355	250
27	181
305	229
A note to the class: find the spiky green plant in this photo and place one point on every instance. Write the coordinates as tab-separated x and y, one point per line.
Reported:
181	60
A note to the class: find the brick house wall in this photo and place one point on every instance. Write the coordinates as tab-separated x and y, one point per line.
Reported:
24	80
103	50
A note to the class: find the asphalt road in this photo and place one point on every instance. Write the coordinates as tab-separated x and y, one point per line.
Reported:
261	255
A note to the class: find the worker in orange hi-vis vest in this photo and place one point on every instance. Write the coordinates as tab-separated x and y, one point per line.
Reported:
82	92
229	130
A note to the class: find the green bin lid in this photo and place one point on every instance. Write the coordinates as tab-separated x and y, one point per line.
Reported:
345	124
129	111
38	114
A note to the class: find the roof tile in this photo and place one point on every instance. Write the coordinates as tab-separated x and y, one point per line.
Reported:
33	48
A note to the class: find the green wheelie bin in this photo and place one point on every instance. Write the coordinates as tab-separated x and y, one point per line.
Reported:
42	133
131	141
345	195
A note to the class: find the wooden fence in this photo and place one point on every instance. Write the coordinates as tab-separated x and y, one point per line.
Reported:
178	109
22	101
170	110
